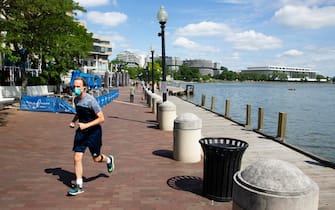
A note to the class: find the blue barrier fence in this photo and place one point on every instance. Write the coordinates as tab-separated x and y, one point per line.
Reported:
55	104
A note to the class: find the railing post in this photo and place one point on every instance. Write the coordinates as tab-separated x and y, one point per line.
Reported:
281	132
212	105
203	100
227	110
260	119
248	117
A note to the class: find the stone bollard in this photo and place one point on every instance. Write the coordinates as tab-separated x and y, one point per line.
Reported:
158	103
274	184
167	114
149	98
186	135
155	98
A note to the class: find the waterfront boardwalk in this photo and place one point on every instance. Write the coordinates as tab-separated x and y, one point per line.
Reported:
37	166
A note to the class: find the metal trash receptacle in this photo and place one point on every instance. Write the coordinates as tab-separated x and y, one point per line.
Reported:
222	159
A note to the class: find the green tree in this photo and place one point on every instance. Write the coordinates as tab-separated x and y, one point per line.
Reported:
187	73
45	29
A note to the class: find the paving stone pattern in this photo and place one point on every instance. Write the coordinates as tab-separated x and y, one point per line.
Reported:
37	165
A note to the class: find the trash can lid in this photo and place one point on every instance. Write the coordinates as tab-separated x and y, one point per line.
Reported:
276	176
187	121
167	106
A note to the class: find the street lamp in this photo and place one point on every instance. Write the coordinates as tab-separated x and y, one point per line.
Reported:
148	75
152	70
162	17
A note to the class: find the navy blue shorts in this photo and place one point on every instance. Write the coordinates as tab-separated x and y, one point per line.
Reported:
90	138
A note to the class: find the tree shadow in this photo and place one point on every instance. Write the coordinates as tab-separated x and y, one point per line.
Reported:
191	184
3	118
133	120
67	177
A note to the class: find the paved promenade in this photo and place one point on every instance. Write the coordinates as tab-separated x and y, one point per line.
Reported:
37	166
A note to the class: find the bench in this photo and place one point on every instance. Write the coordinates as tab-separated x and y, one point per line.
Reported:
5	101
41	90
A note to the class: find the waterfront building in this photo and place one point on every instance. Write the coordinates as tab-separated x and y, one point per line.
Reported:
131	59
293	73
173	63
97	61
205	66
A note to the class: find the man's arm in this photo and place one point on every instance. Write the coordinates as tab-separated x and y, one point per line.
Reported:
100	119
75	118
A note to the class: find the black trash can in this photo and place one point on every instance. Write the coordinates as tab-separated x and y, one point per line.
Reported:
222	159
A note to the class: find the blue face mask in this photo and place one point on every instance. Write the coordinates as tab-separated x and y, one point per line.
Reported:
77	91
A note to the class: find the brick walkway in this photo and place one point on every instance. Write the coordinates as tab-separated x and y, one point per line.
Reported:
37	166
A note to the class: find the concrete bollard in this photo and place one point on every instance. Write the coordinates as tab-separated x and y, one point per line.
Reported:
158	103
155	98
149	93
167	114
186	135
274	184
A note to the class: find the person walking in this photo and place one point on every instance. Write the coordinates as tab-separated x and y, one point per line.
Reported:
88	134
132	93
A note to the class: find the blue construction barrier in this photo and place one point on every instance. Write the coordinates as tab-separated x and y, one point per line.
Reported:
55	104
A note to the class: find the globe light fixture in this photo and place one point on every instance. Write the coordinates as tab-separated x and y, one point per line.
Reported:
162	17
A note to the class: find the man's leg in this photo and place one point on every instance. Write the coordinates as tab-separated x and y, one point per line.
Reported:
78	167
109	160
101	158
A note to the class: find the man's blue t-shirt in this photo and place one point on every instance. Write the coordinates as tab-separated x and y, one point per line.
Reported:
86	108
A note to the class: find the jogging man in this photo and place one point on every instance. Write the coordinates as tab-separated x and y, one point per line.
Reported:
88	133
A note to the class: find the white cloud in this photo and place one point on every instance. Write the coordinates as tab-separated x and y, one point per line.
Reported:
191	45
246	40
290	53
107	18
204	28
92	3
305	17
235	56
251	40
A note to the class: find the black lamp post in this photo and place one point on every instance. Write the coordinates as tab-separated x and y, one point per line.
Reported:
148	75
152	70
162	17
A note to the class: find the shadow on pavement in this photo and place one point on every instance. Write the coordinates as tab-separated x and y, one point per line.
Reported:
191	184
67	177
163	153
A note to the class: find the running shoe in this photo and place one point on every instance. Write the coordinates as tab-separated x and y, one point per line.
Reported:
75	190
111	165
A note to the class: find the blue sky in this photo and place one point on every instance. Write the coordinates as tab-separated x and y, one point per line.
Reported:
235	33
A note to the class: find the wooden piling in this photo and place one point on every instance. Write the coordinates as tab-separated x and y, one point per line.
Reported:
248	117
203	100
212	104
281	132
260	119
227	109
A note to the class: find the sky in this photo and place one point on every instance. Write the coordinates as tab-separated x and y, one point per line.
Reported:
235	33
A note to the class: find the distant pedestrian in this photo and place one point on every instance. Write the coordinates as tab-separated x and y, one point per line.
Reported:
132	93
88	133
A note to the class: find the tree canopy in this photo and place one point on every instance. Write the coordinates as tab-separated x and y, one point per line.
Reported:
46	30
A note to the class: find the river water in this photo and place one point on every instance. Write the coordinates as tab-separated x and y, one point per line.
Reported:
310	109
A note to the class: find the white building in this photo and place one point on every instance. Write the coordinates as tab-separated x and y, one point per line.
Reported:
131	59
205	66
97	61
293	73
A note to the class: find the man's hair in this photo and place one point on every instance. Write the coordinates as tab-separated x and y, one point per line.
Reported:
82	79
